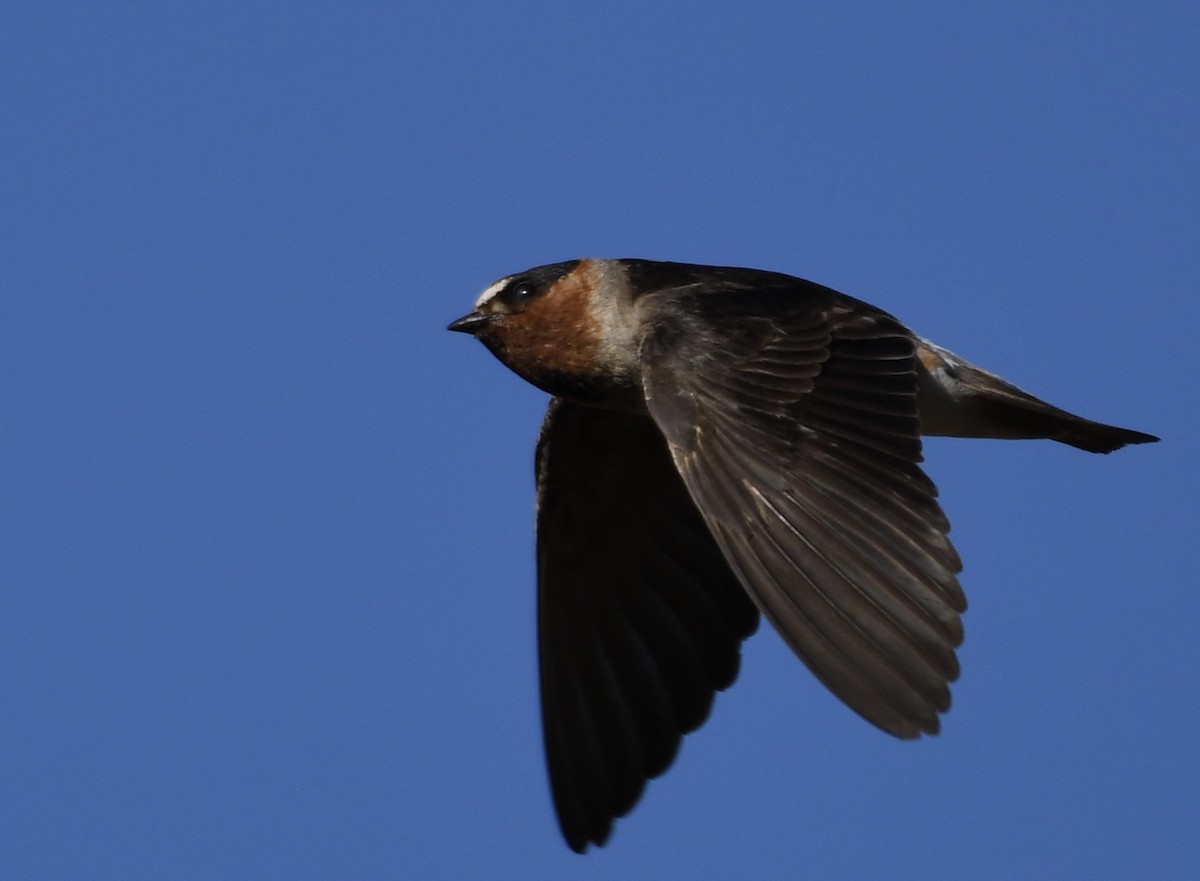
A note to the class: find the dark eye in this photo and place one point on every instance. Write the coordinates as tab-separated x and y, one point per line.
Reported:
521	292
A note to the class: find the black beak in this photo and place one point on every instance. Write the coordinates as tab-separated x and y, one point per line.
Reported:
472	323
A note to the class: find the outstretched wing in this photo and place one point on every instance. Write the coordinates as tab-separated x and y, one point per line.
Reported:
792	417
640	619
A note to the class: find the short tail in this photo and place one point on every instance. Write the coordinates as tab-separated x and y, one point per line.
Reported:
958	399
1067	428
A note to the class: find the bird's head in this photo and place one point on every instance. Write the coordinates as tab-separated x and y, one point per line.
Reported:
568	328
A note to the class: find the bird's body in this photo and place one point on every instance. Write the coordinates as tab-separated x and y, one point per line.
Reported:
723	442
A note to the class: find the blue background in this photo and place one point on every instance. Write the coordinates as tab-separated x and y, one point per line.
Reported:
267	604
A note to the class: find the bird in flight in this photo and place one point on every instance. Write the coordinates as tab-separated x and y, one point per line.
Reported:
721	443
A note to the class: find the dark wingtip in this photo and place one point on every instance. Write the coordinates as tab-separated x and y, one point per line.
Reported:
580	839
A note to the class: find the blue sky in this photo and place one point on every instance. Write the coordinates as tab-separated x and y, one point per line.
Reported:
266	593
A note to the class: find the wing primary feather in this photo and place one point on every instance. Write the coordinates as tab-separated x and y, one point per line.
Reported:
915	581
674	654
640	616
910	521
821	657
577	772
861	643
876	665
878	608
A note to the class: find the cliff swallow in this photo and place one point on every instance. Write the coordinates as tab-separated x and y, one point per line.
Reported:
723	442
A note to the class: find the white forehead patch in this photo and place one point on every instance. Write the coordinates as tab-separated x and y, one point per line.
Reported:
492	291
